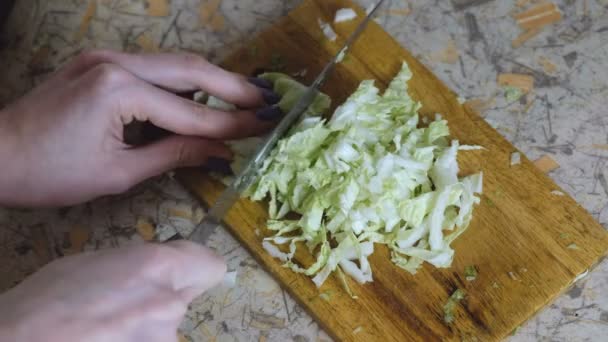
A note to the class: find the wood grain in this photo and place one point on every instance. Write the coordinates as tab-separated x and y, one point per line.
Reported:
517	240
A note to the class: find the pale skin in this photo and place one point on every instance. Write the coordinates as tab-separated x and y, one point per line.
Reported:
62	144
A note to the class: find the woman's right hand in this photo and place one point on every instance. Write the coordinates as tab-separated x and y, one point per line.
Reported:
63	143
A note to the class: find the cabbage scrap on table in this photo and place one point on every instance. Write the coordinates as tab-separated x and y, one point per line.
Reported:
368	175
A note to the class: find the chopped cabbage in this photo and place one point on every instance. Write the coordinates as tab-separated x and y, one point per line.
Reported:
515	158
345	14
450	305
328	31
290	91
368	175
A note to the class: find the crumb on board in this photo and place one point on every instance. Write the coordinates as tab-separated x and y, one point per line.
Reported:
515	158
326	296
300	74
573	246
450	305
489	202
471	148
470	273
344	14
328	31
557	193
357	330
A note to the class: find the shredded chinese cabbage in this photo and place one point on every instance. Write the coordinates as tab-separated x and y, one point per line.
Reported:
371	174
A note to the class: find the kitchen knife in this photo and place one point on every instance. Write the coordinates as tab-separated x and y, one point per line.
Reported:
233	192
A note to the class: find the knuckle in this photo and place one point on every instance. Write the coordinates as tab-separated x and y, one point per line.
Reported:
110	75
181	153
193	61
91	56
160	256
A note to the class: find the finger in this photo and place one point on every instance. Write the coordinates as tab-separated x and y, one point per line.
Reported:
197	269
181	116
170	153
179	72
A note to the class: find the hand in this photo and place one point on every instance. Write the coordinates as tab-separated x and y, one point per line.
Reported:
63	143
138	293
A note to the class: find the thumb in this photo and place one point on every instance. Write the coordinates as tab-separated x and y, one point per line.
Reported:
171	153
197	269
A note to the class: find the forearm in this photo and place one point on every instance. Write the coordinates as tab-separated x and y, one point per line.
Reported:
9	323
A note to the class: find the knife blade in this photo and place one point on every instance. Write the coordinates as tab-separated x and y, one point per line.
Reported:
233	192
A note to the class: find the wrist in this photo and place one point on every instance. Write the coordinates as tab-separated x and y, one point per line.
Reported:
9	158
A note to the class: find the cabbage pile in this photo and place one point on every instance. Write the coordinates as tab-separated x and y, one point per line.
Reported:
368	175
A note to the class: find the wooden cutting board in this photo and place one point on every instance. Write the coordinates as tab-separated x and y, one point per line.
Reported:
518	240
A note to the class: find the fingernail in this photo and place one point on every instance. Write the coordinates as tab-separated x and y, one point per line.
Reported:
260	82
269	113
219	165
270	97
